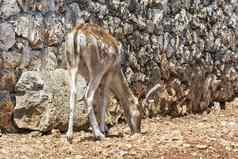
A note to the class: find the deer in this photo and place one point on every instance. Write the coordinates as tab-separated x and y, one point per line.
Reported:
96	55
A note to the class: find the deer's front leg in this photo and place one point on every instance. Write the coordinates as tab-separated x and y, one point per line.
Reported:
103	126
73	93
104	102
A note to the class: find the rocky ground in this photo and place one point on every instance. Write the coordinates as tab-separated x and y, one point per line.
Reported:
188	47
213	135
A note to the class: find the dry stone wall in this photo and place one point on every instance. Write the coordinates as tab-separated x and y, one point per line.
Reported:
189	47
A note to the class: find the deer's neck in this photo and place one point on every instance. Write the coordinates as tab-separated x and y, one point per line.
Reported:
122	91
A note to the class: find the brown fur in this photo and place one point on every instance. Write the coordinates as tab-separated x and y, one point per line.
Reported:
95	54
98	33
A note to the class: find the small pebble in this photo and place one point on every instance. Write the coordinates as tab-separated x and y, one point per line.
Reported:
201	147
36	134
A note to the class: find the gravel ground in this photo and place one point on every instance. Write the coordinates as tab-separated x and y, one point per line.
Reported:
213	135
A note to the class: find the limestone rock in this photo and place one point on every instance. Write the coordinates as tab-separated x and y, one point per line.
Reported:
7	36
42	6
45	106
30	81
32	28
54	29
9	8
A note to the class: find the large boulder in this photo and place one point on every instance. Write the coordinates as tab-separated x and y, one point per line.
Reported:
8	8
7	36
31	27
44	104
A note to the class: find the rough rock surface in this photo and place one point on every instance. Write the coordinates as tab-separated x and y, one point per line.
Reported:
44	103
7	36
8	8
189	47
7	104
31	27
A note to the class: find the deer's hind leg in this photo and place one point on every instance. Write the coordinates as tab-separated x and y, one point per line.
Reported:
73	93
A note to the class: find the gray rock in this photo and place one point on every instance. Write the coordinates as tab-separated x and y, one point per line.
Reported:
54	29
42	6
73	16
133	5
51	59
150	26
9	8
26	5
45	103
127	28
7	36
60	6
30	81
32	28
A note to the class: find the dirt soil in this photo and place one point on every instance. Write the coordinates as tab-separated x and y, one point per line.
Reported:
213	135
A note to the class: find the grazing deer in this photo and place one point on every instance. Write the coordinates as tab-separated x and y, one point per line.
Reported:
96	55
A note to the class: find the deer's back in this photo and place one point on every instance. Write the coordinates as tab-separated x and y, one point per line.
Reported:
99	33
90	39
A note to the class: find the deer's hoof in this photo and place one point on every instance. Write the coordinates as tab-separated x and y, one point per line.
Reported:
99	136
69	137
105	130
